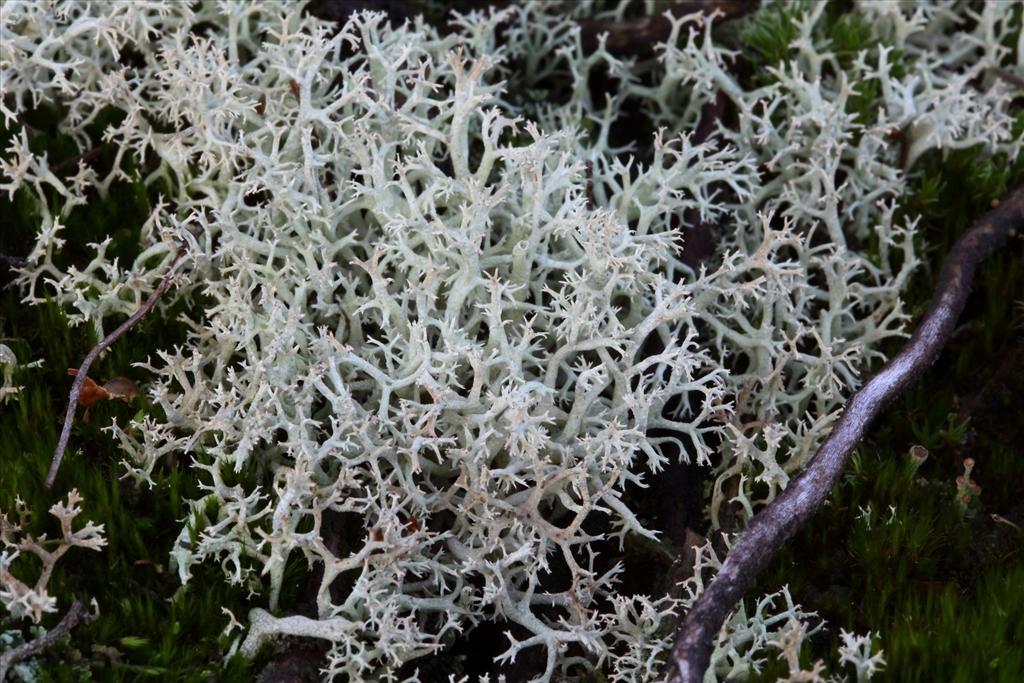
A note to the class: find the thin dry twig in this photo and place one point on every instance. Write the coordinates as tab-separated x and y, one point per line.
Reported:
1008	76
80	378
788	513
88	157
13	261
75	614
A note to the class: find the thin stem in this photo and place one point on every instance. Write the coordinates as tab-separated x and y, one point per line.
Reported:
1010	77
76	386
88	156
787	514
74	615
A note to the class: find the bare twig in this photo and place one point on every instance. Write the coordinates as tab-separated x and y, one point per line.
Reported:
788	513
76	386
1010	77
77	613
13	261
88	157
639	36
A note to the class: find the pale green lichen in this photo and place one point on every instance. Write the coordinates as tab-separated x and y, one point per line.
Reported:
430	297
28	598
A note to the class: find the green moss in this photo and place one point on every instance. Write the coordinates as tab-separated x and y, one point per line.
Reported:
849	34
892	551
766	35
148	626
139	630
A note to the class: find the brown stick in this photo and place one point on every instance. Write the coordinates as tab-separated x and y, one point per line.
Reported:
88	157
13	261
76	386
1010	77
74	615
788	513
639	36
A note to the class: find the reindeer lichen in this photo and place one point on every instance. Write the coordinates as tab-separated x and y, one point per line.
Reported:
431	291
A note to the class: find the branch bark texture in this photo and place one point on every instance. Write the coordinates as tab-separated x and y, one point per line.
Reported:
77	613
76	386
788	513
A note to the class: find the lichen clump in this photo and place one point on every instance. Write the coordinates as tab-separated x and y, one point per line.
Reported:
432	295
31	599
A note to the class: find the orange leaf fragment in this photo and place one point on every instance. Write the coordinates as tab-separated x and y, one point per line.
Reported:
92	393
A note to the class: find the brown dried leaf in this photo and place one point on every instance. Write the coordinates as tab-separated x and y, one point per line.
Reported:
92	393
122	388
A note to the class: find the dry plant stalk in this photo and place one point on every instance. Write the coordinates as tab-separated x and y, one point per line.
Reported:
787	514
81	373
74	615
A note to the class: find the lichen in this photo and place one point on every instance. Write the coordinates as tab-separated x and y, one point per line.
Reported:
431	301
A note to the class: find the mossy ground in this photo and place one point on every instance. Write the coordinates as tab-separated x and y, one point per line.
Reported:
892	552
148	627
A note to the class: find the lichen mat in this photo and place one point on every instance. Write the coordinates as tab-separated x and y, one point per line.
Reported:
440	310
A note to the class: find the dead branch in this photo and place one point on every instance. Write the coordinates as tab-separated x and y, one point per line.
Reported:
80	378
87	157
639	36
1008	76
77	613
13	261
787	514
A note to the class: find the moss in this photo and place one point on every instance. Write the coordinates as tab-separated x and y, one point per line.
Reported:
941	586
148	626
767	34
129	578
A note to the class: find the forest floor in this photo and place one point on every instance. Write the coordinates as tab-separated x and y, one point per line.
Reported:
897	550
